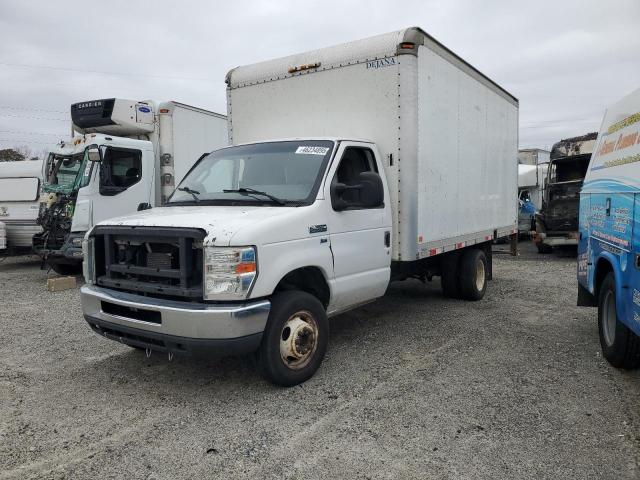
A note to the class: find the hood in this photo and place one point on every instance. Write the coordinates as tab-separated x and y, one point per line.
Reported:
220	222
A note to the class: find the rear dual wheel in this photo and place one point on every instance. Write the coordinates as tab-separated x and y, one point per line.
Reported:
465	276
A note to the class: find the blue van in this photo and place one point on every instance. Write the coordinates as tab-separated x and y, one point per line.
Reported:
609	233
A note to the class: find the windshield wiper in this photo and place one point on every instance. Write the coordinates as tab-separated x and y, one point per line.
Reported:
193	193
251	191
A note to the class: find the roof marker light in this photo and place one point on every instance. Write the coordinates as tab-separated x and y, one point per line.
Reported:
301	68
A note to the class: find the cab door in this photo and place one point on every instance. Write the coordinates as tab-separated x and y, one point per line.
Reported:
360	235
123	181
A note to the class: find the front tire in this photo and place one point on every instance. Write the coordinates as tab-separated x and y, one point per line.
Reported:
620	346
473	274
295	339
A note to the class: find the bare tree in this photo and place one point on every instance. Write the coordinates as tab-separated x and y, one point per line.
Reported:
11	155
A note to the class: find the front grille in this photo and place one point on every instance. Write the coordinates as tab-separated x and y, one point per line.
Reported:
159	262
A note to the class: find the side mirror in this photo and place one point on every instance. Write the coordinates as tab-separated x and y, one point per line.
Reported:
369	188
144	206
93	153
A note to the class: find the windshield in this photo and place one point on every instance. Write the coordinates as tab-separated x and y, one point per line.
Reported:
62	172
275	173
569	169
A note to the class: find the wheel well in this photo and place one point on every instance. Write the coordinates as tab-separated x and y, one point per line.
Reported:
307	279
603	267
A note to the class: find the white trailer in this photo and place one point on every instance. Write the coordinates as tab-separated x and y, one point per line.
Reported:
20	184
145	149
448	134
398	161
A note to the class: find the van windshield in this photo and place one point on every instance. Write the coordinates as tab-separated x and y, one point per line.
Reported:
274	173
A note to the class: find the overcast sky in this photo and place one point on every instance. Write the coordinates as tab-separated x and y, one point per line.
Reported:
566	60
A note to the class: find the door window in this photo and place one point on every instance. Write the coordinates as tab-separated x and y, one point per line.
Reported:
355	160
120	169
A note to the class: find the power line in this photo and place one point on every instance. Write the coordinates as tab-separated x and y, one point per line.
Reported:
96	72
19	132
14	141
33	118
7	107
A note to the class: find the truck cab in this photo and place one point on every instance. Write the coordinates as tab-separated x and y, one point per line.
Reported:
302	226
76	190
557	222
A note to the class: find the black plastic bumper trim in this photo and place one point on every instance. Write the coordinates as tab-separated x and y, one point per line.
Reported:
171	343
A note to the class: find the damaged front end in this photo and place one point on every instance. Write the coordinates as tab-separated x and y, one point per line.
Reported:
55	216
64	176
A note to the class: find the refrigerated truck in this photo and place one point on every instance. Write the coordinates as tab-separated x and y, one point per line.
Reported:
144	149
20	184
378	160
609	239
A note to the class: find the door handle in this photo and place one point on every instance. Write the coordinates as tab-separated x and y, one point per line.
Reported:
387	239
608	206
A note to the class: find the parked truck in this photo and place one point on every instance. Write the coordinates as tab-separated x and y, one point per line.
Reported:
384	159
609	246
531	179
144	149
557	221
20	184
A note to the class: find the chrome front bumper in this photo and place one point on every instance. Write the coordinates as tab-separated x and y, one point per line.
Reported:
172	325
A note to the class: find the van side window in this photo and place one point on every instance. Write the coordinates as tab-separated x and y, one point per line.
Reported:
355	160
120	169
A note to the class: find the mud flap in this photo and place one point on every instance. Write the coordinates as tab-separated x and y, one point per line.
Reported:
585	299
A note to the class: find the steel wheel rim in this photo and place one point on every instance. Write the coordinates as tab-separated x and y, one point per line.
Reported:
480	274
610	319
298	340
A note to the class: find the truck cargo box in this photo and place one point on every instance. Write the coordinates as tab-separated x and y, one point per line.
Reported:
449	134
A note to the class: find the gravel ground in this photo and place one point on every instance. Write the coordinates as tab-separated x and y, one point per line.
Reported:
413	386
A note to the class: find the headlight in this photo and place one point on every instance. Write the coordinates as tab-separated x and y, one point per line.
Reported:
87	262
229	272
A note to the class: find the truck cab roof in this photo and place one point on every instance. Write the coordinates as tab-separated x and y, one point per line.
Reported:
299	139
80	142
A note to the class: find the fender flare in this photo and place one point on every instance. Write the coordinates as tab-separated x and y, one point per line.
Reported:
615	267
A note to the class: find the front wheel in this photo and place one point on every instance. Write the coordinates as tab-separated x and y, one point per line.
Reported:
620	346
295	339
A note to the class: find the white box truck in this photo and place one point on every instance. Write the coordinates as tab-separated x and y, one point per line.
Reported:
398	162
20	184
144	149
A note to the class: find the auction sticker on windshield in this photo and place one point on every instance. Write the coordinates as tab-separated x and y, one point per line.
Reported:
312	150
